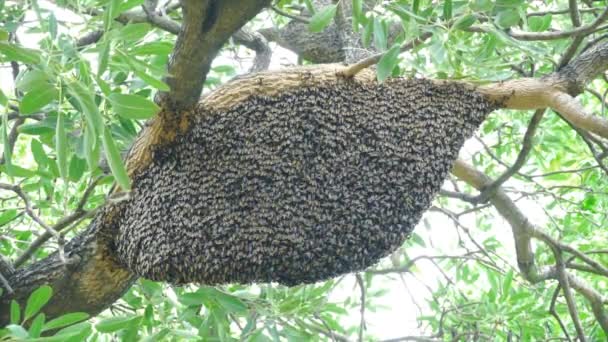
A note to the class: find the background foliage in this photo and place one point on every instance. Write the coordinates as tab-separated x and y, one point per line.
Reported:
74	104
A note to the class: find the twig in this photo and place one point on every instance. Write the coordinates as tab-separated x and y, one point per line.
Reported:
28	209
575	16
78	214
582	30
12	136
519	162
354	69
557	12
361	284
258	43
565	285
290	16
554	313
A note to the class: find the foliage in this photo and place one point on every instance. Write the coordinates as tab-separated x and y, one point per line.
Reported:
76	105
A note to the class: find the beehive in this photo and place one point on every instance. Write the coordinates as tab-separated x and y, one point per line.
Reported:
309	183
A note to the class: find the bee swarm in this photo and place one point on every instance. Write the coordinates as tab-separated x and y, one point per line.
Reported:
311	182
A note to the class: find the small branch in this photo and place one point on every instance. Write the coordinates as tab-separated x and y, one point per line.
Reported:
583	30
519	162
558	12
361	284
554	313
28	209
572	111
159	20
290	16
78	214
13	135
258	43
354	69
565	285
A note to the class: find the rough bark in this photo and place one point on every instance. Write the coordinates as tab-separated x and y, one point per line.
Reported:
92	278
206	26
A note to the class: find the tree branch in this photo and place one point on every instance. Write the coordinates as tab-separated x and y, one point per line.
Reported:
206	26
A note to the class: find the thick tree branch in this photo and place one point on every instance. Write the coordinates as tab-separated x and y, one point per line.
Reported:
206	26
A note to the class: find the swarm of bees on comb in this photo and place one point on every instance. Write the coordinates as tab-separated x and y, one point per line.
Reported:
298	187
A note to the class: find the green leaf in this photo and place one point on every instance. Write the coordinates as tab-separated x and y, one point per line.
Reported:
416	6
76	169
73	333
19	54
7	216
61	146
103	57
117	323
36	128
133	106
37	300
380	35
506	284
192	299
465	22
52	26
152	48
447	9
84	97
4	35
36	326
65	320
539	23
507	18
39	154
154	82
322	18
3	99
229	302
31	79
15	312
37	98
388	62
134	32
5	142
482	5
115	161
91	149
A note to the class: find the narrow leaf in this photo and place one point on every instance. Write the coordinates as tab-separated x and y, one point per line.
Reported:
115	161
61	147
91	149
37	300
132	106
37	98
15	312
36	326
39	154
84	97
65	320
322	18
5	142
447	10
117	323
388	62
19	54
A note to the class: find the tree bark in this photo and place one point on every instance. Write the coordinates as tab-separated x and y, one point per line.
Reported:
92	279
